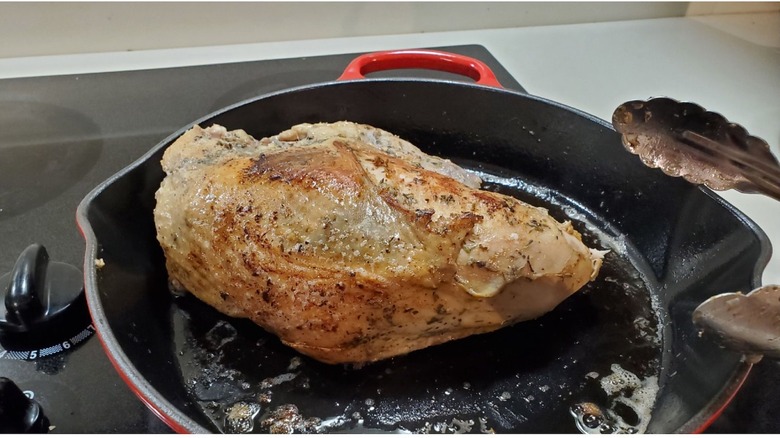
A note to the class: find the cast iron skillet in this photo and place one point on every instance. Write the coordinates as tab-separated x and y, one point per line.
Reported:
672	245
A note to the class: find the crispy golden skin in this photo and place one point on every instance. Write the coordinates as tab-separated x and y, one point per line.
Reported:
352	245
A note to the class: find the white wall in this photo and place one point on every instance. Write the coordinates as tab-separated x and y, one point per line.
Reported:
30	29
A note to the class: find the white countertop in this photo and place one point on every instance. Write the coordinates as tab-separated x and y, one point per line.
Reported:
729	64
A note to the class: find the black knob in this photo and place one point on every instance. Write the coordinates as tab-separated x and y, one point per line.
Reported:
19	414
44	301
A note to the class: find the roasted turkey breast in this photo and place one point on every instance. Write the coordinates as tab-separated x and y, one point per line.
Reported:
352	245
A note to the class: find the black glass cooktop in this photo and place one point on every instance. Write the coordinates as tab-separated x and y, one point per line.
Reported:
63	135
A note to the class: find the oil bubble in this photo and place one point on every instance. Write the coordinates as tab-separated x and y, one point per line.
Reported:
591	421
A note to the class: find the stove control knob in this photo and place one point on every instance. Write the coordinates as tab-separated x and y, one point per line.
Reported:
19	414
44	302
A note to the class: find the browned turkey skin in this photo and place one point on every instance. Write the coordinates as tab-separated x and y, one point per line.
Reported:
352	245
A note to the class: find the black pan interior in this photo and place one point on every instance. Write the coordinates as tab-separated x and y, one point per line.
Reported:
672	246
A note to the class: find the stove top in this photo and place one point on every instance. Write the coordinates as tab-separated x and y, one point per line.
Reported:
63	135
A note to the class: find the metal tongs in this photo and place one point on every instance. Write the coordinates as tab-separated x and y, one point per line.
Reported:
683	139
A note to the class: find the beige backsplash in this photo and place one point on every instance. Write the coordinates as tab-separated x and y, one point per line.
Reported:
32	29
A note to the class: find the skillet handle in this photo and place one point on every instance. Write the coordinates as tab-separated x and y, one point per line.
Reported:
425	59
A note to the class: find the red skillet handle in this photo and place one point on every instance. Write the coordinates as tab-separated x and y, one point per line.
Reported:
426	59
